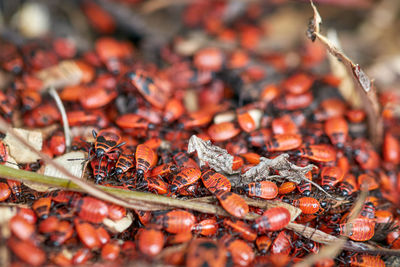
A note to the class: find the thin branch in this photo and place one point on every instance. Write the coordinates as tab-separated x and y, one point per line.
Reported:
363	84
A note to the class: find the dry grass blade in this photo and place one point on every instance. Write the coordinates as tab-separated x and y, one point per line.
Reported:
363	84
60	106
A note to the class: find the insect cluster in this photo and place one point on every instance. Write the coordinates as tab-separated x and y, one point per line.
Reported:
140	116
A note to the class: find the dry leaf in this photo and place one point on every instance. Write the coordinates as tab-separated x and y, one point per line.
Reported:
362	83
64	73
217	158
120	225
11	163
20	152
72	161
48	130
38	187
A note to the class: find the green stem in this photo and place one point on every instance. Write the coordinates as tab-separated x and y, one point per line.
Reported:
142	200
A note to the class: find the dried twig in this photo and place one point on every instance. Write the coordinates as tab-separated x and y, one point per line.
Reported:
363	83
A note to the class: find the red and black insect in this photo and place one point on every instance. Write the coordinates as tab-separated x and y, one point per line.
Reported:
150	241
337	130
283	142
35	257
5	191
242	253
273	219
205	252
90	209
348	185
243	229
186	177
163	169
144	157
152	89
263	243
223	131
308	205
365	260
10	58
182	160
330	177
154	184
21	228
319	153
30	99
214	181
286	188
101	169
263	189
207	227
360	229
106	141
176	221
232	203
281	244
42	207
87	234
124	163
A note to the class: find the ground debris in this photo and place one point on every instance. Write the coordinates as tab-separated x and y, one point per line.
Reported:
217	158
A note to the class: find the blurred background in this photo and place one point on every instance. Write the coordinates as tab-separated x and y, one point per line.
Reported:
368	30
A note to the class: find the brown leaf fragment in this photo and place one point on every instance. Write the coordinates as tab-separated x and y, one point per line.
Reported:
120	225
73	161
363	84
286	169
64	73
18	150
217	158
